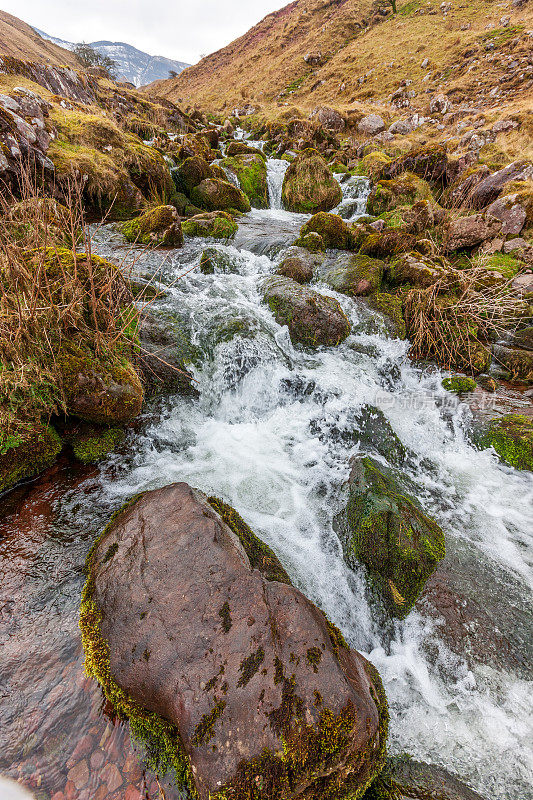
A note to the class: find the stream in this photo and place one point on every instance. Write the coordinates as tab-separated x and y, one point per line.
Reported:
272	433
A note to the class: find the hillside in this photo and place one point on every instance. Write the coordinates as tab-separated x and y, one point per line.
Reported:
19	40
132	64
341	52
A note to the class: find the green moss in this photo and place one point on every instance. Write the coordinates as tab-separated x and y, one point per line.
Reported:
160	226
252	174
204	731
214	194
25	451
405	190
386	531
249	667
361	276
217	225
312	242
458	384
92	447
314	657
372	164
499	262
164	751
512	438
391	305
260	555
225	616
333	229
388	242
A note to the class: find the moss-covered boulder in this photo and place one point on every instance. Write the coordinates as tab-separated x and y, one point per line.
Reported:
25	450
191	172
376	435
312	242
429	162
312	318
415	270
214	260
251	172
159	227
458	384
166	354
335	232
518	363
405	190
386	243
354	275
298	264
217	195
243	149
384	529
391	306
213	225
227	673
309	185
107	392
372	164
512	438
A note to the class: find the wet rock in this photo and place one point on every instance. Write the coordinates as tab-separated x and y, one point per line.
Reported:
166	351
487	190
312	318
519	363
312	242
214	260
391	307
403	778
335	232
371	125
512	438
191	172
214	224
159	227
384	529
298	264
405	190
376	435
251	173
523	338
209	643
218	195
467	232
309	186
354	275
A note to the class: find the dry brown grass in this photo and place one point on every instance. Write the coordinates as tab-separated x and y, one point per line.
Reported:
451	321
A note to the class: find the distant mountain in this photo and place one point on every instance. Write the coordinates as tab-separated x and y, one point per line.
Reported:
132	65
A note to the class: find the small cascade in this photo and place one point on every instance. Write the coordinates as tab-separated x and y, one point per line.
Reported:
276	169
355	193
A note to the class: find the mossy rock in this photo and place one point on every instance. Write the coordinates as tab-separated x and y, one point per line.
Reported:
312	242
459	384
403	778
376	434
214	260
25	450
106	392
512	438
191	172
309	186
384	529
372	164
333	230
211	225
415	270
216	195
405	190
387	243
354	275
160	227
42	218
429	162
251	173
92	446
242	149
391	306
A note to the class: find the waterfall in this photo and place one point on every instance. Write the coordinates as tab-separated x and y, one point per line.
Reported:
276	169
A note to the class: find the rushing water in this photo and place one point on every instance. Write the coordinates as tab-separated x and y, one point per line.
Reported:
272	432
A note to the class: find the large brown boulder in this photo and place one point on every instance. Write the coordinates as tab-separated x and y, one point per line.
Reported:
312	318
196	635
491	187
309	185
218	195
466	232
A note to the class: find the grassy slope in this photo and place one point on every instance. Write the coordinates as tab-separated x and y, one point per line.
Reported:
268	61
18	40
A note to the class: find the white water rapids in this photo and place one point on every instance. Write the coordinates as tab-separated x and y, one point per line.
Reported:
272	434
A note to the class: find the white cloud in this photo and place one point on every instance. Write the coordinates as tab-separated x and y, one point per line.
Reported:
179	30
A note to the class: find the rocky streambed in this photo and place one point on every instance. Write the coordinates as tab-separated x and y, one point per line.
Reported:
272	432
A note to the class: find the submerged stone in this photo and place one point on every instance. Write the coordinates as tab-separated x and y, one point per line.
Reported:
227	672
384	529
403	778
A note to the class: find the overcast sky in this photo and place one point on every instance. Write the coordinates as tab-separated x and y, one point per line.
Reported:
173	28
